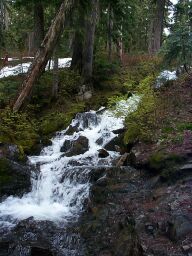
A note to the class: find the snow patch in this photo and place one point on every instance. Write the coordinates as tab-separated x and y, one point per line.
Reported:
23	68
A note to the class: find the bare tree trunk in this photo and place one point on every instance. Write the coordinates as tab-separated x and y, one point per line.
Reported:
156	29
90	22
38	24
43	54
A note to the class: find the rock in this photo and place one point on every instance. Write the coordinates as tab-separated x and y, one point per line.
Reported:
103	153
15	179
10	151
117	141
119	131
99	141
102	182
85	93
123	160
179	228
79	146
66	146
72	129
40	251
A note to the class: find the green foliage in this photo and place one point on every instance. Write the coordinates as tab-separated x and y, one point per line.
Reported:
18	128
8	90
56	121
141	124
177	49
103	70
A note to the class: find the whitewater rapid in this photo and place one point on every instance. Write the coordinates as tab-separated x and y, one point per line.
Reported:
63	183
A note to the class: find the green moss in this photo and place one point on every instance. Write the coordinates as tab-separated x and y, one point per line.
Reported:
162	161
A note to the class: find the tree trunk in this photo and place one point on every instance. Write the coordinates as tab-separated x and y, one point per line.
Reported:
156	29
55	87
76	63
77	57
38	24
90	25
43	54
110	27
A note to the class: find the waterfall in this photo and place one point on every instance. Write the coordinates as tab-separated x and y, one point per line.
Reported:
63	184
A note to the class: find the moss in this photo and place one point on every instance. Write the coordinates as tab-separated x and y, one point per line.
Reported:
161	161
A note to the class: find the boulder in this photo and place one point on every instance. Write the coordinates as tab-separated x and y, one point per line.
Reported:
15	179
66	146
119	131
103	153
117	141
99	141
72	129
78	147
10	151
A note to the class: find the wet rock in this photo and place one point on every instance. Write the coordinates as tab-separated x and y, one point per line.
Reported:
117	141
79	146
87	119
102	181
119	131
187	249
15	179
40	251
66	146
72	129
103	153
99	141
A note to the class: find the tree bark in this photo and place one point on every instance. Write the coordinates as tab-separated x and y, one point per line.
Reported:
43	54
55	87
38	24
156	29
110	27
90	26
77	57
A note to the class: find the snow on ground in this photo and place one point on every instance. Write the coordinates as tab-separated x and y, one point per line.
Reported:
165	76
23	68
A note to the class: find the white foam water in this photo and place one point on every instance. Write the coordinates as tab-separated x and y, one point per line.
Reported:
63	183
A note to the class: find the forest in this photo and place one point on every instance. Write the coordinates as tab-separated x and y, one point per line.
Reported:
95	128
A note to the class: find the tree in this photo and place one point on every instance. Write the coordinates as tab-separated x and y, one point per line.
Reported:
156	28
178	46
44	53
90	26
38	24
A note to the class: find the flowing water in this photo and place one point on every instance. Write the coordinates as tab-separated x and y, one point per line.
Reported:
63	182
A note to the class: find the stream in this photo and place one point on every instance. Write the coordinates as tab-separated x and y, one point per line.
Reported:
46	216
